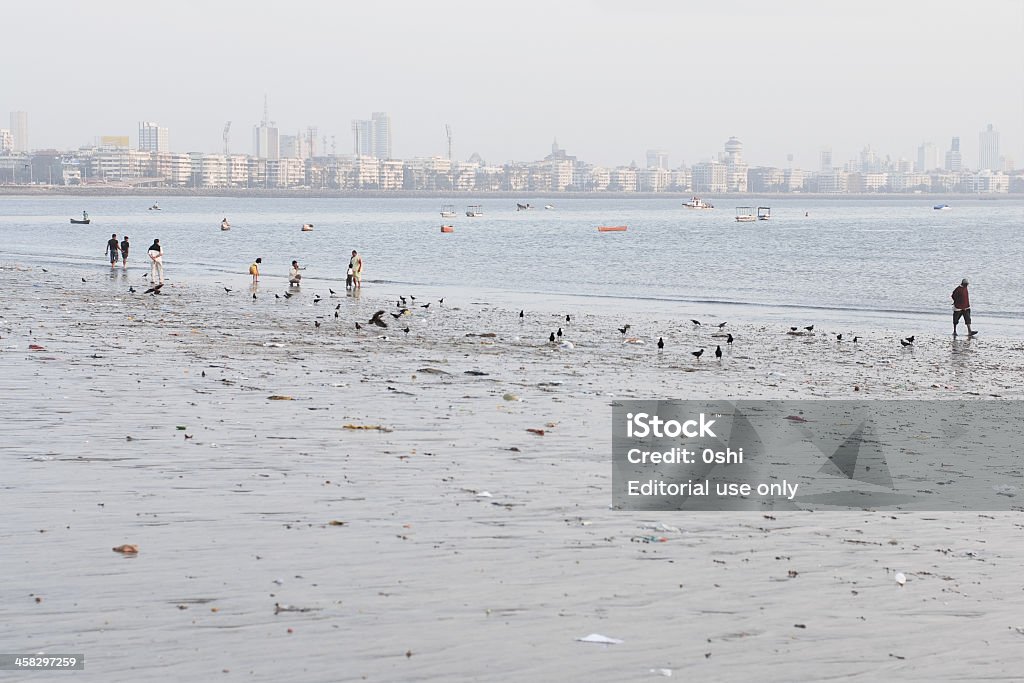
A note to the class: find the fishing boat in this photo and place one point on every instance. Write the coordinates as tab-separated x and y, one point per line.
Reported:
611	228
155	207
942	207
224	225
523	207
307	227
474	211
764	213
80	222
697	203
448	211
745	215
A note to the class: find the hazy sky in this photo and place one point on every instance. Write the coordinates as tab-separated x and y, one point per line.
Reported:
608	78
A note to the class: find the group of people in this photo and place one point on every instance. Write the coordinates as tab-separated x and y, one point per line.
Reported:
121	248
353	279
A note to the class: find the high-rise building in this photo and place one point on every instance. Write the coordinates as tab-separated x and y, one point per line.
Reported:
153	138
6	141
927	158
988	149
657	158
825	160
19	131
381	135
362	138
736	168
265	140
954	160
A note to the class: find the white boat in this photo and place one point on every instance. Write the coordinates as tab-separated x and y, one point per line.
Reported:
474	211
744	215
155	207
224	225
549	207
764	213
942	207
307	227
448	211
698	203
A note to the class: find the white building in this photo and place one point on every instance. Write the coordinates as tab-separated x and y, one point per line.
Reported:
153	138
6	141
927	158
709	176
987	182
654	179
266	142
362	138
735	166
391	174
988	149
623	179
954	160
381	135
19	131
657	158
175	169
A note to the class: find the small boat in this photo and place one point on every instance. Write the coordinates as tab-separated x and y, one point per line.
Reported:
744	215
942	207
523	207
697	203
448	211
764	213
549	207
307	227
447	228
155	207
474	211
611	228
76	221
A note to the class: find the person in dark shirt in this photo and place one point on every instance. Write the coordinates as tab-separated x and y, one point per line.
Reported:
112	250
124	252
962	307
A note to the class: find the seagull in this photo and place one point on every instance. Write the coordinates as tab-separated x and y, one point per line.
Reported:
721	325
697	354
809	328
661	343
718	352
906	343
226	290
552	337
910	339
695	322
559	333
728	340
375	319
624	329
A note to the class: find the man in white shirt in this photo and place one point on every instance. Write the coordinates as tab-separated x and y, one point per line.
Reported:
156	267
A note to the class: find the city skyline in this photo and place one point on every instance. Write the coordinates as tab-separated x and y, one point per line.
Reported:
608	82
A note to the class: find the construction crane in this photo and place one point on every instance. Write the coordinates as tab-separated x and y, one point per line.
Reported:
227	127
448	132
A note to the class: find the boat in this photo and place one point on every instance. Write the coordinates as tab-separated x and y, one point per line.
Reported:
224	225
744	215
942	207
307	227
80	222
523	207
764	213
448	211
697	203
549	207
611	228
447	228
155	207
474	211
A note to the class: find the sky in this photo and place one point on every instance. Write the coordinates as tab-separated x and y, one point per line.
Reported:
608	79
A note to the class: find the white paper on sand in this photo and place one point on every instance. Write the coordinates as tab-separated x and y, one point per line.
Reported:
598	638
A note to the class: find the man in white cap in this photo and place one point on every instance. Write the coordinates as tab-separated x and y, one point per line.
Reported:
962	307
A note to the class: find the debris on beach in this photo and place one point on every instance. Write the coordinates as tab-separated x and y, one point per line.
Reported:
511	397
127	549
795	418
667	673
600	639
336	522
380	428
901	579
280	397
36	347
278	608
538	432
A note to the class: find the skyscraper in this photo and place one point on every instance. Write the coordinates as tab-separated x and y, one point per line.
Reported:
825	160
927	158
265	142
362	138
153	138
381	135
954	160
19	130
988	149
657	158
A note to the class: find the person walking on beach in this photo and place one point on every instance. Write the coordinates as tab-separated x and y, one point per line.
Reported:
294	276
962	307
355	265
124	252
254	270
113	248
156	268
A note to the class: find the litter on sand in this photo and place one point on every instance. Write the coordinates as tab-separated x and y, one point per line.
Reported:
598	638
127	549
278	397
380	428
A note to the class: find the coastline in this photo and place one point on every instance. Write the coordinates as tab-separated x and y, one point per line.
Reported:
276	543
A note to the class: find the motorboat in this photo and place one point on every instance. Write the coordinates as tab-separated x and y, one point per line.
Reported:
155	207
764	213
307	227
474	211
942	207
697	203
549	207
523	207
744	214
448	211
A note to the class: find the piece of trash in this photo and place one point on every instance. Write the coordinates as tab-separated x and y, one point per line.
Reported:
667	673
279	397
278	608
538	432
1007	490
485	494
794	418
475	373
660	526
181	428
799	625
380	428
567	345
279	582
901	579
35	347
598	638
510	397
336	522
127	549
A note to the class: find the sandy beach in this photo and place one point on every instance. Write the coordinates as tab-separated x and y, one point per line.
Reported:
324	504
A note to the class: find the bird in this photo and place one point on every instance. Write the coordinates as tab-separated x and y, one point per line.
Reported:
728	340
45	270
331	291
316	323
336	314
855	339
277	296
809	328
624	329
910	339
426	305
793	329
83	279
131	290
358	326
552	337
567	318
718	352
697	354
406	329
695	322
402	299
905	343
721	325
412	298
440	301
288	295
155	289
317	299
254	296
396	316
839	337
661	343
559	333
204	373
375	319
521	314
227	291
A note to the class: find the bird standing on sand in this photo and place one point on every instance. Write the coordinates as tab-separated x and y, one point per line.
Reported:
696	323
559	333
910	339
624	329
440	302
904	343
718	352
83	279
131	290
316	323
839	337
331	291
793	329
336	315
552	337
661	343
277	296
856	339
567	318
288	295
426	305
227	291
254	296
721	325
358	326
809	328
522	314
697	354
406	329
728	340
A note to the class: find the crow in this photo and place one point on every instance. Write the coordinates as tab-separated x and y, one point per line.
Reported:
227	291
406	329
396	316
427	305
335	314
375	319
793	329
721	325
288	295
154	289
83	279
412	298
317	324
695	322
855	339
317	299
718	352
331	291
697	354
277	296
839	337
624	329
661	342
358	326
254	296
552	337
728	340
402	299
910	339
559	333
521	314
905	343
440	302
567	318
809	328
131	290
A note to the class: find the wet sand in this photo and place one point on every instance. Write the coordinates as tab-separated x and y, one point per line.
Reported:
277	544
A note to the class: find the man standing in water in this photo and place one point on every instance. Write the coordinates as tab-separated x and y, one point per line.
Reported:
156	268
355	265
112	250
124	252
962	307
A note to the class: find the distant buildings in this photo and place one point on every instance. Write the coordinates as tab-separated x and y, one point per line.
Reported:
657	158
988	150
927	158
6	141
19	131
954	160
153	138
372	137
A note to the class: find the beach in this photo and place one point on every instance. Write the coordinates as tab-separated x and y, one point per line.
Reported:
324	504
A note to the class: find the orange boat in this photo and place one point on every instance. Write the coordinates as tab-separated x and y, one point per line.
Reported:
611	228
447	228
